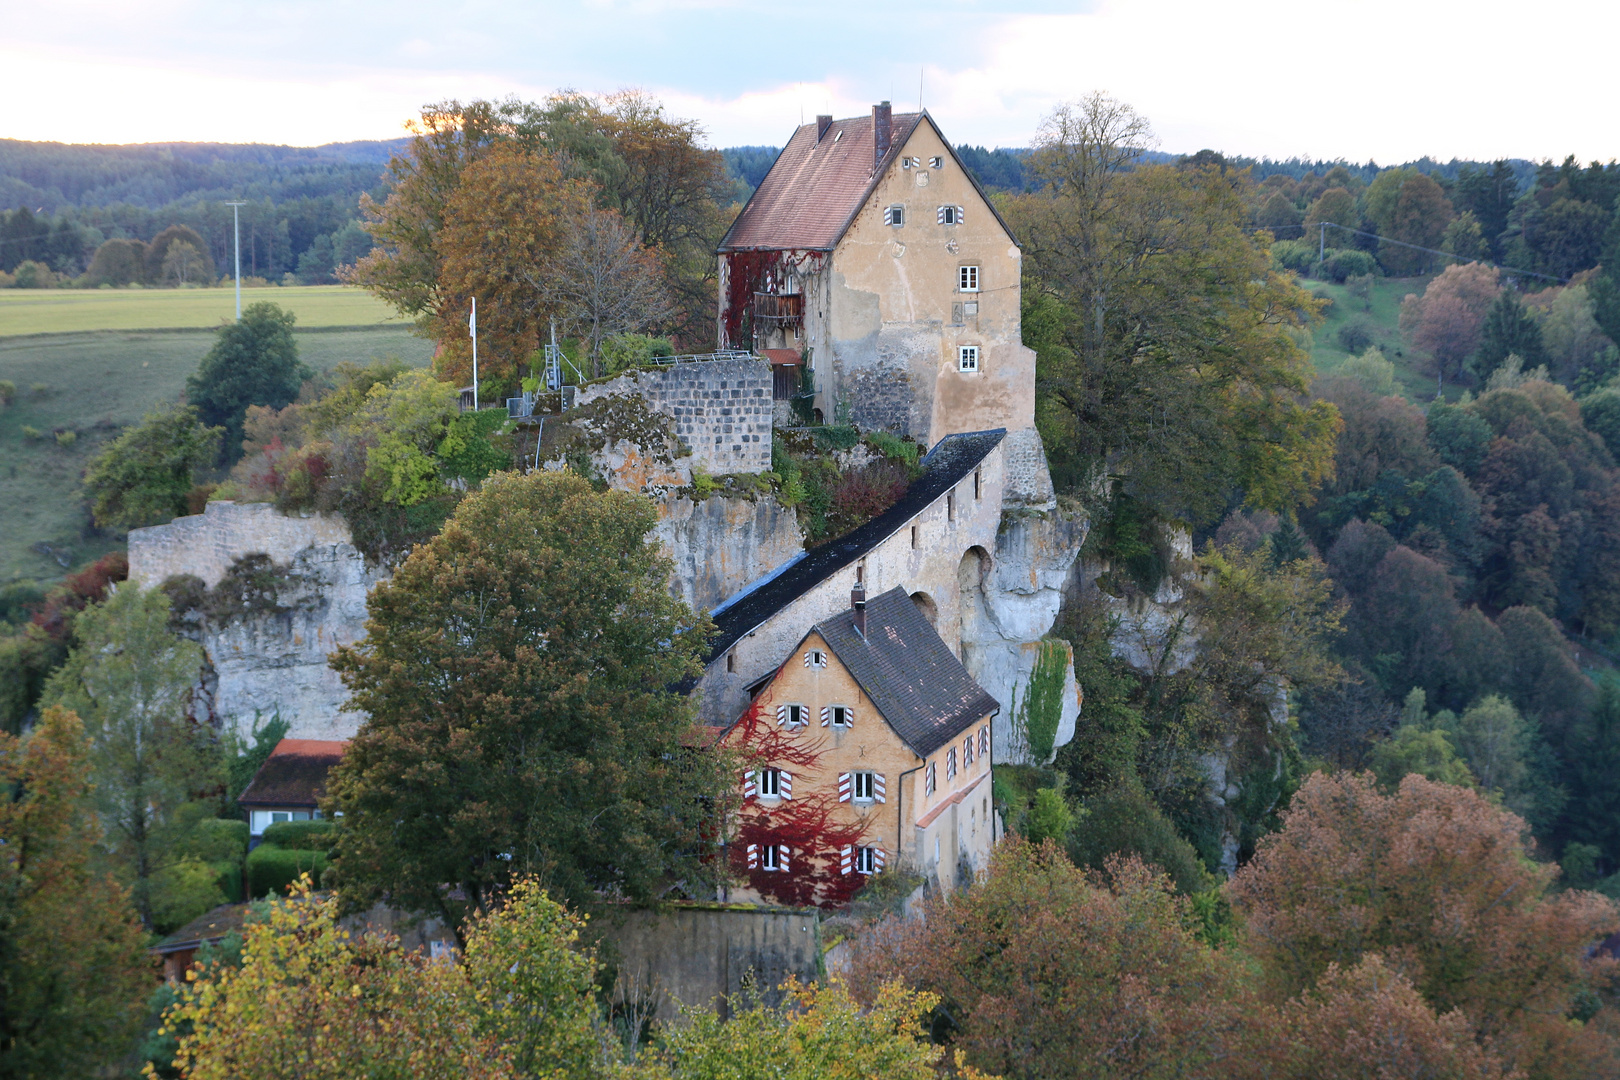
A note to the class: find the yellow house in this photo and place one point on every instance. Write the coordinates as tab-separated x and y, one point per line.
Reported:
868	747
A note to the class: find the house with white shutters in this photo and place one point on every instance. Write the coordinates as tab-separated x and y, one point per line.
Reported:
873	748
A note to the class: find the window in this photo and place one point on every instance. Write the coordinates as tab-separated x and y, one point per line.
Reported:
950	506
860	860
894	215
863	787
864	861
770	783
731	662
914	536
815	658
860	572
950	215
967	358
770	857
950	764
930	780
911	163
792	715
967	279
936	163
978	484
837	716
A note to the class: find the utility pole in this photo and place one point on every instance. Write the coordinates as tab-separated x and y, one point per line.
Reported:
236	218
472	330
1321	249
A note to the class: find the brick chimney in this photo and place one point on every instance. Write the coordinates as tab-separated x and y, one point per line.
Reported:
823	122
857	600
882	131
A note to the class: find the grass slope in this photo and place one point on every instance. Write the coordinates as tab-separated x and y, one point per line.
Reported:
93	384
59	311
1382	309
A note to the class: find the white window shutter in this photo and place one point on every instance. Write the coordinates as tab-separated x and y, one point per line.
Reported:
782	857
781	714
845	782
826	715
849	719
846	858
750	785
880	791
753	856
785	779
940	216
959	215
877	860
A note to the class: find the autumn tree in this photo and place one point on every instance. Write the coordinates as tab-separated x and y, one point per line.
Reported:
156	253
1447	319
1045	970
156	772
1438	882
1164	359
517	676
144	476
73	973
606	283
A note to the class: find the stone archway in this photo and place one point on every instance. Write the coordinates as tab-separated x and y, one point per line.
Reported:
926	605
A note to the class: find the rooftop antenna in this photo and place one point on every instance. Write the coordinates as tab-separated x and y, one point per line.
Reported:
919	87
236	217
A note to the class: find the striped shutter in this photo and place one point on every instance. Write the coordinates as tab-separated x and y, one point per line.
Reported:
877	860
940	216
984	740
826	715
781	714
880	791
849	718
807	659
846	858
959	215
782	857
846	782
750	785
753	856
785	779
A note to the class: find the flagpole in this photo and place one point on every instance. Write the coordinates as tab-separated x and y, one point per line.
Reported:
472	328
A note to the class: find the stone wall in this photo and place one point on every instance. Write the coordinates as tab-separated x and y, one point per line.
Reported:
693	955
722	409
206	544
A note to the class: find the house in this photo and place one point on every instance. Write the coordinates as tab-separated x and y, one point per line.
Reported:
290	784
872	737
872	250
179	949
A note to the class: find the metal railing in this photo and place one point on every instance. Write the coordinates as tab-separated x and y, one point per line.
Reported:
706	358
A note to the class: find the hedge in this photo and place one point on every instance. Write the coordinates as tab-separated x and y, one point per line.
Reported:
272	869
302	835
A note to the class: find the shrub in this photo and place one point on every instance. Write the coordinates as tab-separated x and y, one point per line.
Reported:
273	869
301	835
8	391
1124	821
67	437
1346	263
1295	255
837	436
1356	335
1325	297
893	446
865	493
31	433
34	275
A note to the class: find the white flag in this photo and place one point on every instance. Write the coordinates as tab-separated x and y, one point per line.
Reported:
472	320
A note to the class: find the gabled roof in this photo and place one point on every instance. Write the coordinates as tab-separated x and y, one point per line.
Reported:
294	774
908	672
219	923
813	191
950	462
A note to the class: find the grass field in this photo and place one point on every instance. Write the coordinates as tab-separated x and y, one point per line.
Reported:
93	384
1382	308
61	311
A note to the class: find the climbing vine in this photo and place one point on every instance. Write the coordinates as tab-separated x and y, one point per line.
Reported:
1037	716
749	272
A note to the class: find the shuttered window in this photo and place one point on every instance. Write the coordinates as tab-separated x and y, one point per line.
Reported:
894	215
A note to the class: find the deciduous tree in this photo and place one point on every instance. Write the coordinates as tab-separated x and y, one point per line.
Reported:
1446	320
144	475
253	362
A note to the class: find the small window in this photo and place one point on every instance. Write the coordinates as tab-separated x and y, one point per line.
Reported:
978	484
894	215
931	779
967	358
936	163
815	658
950	764
792	715
967	279
863	787
860	572
984	741
950	506
950	215
769	857
842	716
731	662
911	163
914	536
865	860
770	783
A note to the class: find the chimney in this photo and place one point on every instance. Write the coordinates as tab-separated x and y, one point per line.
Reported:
882	130
857	600
823	122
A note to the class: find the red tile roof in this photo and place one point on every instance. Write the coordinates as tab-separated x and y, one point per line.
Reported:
816	187
294	774
782	356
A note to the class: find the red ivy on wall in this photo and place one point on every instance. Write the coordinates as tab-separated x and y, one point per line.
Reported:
749	272
804	824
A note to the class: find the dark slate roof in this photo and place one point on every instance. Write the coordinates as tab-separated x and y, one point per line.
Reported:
816	187
913	678
294	774
222	921
951	461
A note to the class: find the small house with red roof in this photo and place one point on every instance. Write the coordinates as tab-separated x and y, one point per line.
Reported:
290	784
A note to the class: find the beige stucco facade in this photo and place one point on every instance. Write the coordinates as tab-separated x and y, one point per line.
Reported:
946	834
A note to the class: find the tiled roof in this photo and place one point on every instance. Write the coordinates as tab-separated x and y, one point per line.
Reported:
816	187
223	920
951	461
294	774
908	672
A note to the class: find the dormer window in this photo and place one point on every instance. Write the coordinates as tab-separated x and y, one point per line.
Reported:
894	215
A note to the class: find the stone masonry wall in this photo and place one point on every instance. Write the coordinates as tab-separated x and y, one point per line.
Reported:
722	409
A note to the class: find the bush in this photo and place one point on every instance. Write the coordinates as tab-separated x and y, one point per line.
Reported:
8	391
31	433
1346	263
34	275
1356	335
67	437
1125	821
302	835
1295	255
893	446
225	837
272	869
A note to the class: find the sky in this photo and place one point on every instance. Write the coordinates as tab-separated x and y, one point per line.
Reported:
1384	80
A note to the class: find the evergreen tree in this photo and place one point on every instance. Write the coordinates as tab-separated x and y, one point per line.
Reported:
1509	331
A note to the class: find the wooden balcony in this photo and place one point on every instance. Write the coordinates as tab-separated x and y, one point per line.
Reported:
779	310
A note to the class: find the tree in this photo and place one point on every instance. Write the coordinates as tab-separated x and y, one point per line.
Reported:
1509	330
516	674
1280	216
144	476
1045	970
1163	353
1577	349
1401	625
118	262
1464	238
1437	881
1542	678
1593	751
1418	750
1446	320
1407	207
254	362
1488	195
72	967
182	263
157	252
130	679
606	283
1335	206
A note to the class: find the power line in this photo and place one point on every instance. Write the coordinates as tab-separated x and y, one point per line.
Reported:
1433	251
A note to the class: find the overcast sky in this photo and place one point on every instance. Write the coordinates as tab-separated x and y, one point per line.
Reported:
1388	80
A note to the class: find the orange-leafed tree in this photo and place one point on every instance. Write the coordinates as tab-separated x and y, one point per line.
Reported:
1446	321
1440	883
803	825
